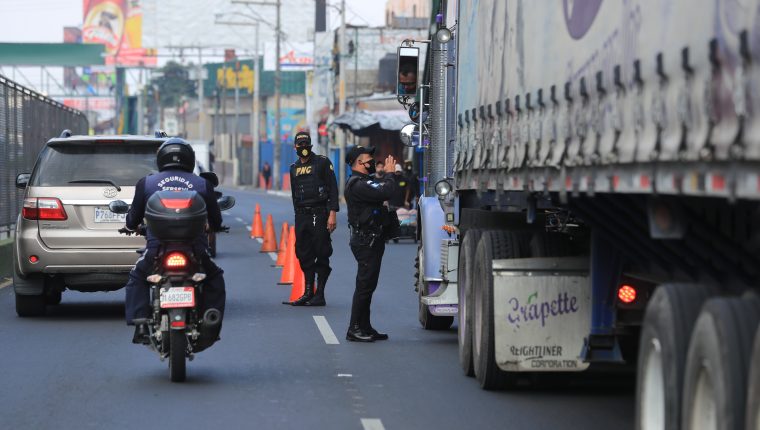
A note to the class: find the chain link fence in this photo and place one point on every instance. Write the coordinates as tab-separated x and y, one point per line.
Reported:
27	121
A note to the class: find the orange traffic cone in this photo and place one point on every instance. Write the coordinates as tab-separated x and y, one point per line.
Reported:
289	272
299	283
257	230
283	250
270	240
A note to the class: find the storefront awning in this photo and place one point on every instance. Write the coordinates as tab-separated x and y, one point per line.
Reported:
364	123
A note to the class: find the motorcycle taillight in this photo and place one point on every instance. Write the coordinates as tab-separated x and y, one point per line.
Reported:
175	260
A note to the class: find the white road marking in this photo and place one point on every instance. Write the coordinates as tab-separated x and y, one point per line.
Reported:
239	219
372	424
248	227
260	240
345	375
325	330
273	256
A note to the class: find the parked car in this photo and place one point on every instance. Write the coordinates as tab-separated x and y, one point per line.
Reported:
66	237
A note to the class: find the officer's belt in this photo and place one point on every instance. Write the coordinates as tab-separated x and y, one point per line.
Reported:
311	210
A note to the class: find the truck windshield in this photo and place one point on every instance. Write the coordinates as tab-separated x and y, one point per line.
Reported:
123	164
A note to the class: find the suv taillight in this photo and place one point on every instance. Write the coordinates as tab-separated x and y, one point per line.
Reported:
43	208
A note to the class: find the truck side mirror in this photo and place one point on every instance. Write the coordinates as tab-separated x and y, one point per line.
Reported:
408	134
407	71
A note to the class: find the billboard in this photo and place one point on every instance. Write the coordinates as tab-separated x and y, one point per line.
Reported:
117	24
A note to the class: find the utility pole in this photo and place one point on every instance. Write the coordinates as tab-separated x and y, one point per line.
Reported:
342	92
200	95
256	99
256	114
277	87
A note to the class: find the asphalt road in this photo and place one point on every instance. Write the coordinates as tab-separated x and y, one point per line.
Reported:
76	367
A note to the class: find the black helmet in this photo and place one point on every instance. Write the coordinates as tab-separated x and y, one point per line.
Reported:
175	153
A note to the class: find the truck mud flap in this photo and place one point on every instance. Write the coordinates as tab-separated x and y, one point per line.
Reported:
542	313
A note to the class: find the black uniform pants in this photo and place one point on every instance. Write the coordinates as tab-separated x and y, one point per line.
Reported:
137	300
369	256
313	244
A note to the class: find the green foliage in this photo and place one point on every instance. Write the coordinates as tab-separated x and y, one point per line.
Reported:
174	84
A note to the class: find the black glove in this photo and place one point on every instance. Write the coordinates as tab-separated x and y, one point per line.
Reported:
126	231
142	230
223	229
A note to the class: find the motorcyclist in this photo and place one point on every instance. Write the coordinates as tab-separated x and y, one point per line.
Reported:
175	159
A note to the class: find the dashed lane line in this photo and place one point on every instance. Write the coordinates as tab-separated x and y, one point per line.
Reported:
273	256
372	424
248	227
325	330
239	219
260	240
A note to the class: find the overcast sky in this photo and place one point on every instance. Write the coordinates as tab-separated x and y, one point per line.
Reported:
44	20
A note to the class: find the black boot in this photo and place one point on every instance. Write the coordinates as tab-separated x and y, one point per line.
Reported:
376	335
141	335
319	296
356	334
308	293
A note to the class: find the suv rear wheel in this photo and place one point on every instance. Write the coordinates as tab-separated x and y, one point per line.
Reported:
30	306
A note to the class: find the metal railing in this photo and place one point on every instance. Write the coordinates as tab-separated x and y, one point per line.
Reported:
27	121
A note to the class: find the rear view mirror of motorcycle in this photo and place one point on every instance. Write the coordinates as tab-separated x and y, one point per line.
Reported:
211	177
118	207
226	202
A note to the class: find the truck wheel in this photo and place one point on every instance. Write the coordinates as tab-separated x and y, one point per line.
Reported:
427	320
493	245
465	272
752	422
664	342
717	365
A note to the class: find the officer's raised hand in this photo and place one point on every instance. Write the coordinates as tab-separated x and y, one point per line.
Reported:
390	165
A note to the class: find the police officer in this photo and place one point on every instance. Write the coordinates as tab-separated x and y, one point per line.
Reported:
315	201
176	161
367	217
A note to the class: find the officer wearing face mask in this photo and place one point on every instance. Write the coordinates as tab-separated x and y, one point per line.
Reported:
315	201
371	225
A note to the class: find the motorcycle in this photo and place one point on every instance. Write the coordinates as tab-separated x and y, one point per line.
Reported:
176	328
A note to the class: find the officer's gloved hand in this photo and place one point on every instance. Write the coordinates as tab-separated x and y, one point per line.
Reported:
223	229
142	230
126	231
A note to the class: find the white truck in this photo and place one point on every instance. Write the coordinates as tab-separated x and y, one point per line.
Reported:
595	167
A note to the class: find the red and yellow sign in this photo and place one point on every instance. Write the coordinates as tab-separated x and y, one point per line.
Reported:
118	25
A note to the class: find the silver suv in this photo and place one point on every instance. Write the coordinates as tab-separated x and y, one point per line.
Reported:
65	235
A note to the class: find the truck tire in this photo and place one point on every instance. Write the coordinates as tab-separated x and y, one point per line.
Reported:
493	245
465	272
752	421
717	365
664	342
428	321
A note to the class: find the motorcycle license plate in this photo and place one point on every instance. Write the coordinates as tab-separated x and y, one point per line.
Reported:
178	297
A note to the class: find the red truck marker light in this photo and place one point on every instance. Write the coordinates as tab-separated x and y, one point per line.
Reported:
627	294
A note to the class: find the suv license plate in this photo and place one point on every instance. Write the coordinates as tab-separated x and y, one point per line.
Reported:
178	297
105	215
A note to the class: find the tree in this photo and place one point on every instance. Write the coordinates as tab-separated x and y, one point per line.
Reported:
173	84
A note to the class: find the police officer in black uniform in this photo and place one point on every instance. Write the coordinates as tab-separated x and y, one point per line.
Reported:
315	201
176	161
368	219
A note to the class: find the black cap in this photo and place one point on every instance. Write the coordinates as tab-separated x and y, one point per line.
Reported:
356	151
302	137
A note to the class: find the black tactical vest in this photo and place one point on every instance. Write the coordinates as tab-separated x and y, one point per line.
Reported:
308	183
